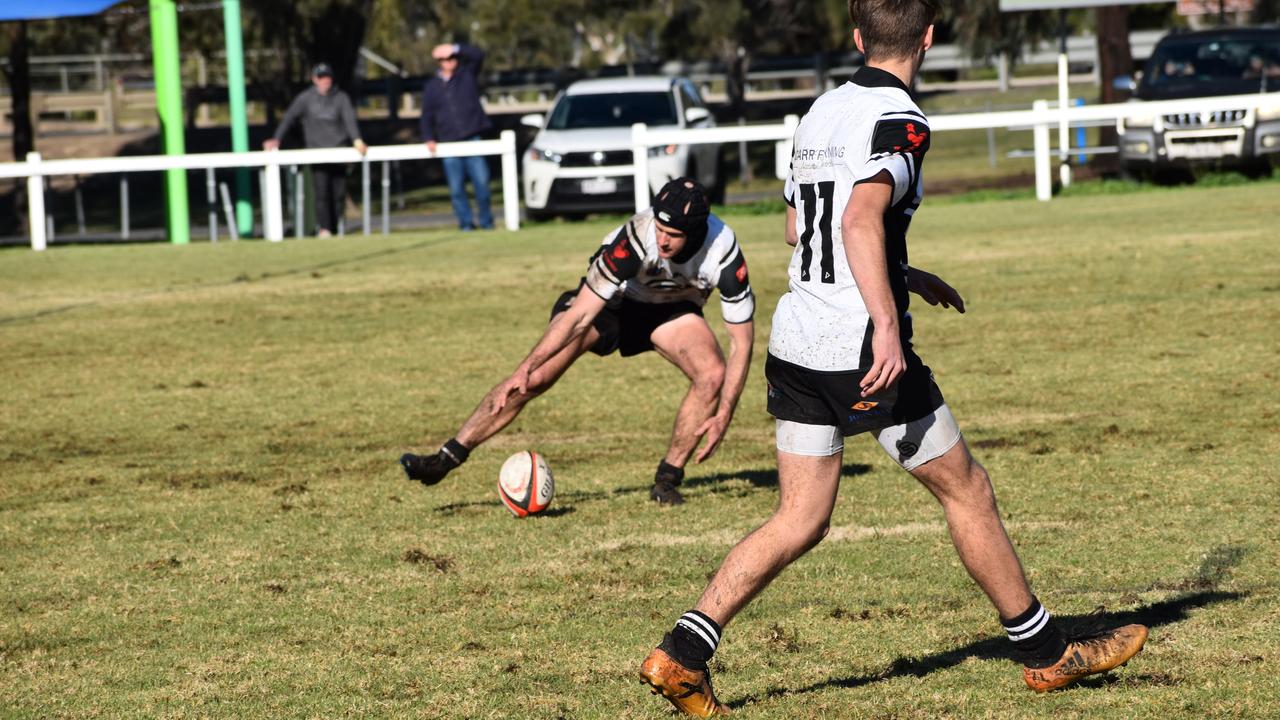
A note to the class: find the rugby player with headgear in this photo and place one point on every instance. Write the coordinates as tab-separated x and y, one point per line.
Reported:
644	290
841	364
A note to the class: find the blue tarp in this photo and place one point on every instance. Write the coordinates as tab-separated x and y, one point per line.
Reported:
45	9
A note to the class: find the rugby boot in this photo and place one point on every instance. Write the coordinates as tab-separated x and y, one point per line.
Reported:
689	690
664	492
1088	655
426	469
665	480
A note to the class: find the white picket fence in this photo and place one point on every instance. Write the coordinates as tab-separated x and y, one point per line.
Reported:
35	170
1039	120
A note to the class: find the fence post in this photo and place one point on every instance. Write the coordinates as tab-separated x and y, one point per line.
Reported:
510	181
640	161
272	201
1044	179
124	206
386	197
35	202
364	195
211	195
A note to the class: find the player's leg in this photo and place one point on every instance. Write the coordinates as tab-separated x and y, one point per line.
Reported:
688	343
809	458
484	423
933	451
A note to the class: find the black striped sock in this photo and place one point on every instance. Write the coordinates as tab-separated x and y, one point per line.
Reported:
694	640
1037	640
454	453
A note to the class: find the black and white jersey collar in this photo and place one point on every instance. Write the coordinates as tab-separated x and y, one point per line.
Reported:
873	77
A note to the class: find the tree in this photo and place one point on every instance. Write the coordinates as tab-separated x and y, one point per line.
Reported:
987	33
18	75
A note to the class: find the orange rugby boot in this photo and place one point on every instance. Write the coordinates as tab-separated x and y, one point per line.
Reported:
689	690
1088	656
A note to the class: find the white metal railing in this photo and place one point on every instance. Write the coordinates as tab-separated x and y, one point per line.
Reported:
35	169
1039	119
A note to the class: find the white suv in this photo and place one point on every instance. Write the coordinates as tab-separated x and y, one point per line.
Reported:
580	160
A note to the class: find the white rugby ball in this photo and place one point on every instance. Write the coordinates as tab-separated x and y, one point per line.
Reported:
525	484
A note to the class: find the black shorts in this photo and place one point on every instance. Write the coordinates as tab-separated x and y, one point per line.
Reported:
627	326
815	397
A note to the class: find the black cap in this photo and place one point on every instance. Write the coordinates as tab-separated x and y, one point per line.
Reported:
682	204
322	70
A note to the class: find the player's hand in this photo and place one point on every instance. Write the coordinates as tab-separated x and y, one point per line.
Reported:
361	147
431	146
712	432
934	290
517	384
442	51
270	144
889	364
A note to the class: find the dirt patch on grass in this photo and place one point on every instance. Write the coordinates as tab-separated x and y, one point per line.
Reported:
415	556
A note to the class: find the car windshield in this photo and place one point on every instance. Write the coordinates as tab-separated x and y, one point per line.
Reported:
613	110
1243	65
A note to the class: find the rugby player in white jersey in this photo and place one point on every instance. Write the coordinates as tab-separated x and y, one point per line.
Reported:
644	290
841	364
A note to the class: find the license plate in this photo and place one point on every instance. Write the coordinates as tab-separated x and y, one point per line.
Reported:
599	186
1203	150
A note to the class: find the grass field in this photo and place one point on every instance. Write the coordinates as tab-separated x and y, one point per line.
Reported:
201	514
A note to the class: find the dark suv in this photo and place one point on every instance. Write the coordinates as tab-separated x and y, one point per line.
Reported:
1229	61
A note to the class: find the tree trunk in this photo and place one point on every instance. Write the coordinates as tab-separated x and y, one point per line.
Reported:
19	76
1115	58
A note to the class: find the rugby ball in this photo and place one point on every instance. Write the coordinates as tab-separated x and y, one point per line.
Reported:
525	484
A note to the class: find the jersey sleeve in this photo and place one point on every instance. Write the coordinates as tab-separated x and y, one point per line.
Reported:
898	145
737	301
614	263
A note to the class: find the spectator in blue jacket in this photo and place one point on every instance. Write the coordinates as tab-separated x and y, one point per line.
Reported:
451	112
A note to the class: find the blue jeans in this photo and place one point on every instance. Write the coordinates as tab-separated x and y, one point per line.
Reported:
456	171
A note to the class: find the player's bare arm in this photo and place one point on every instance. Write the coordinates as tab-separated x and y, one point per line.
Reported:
863	228
741	342
565	328
933	289
790	229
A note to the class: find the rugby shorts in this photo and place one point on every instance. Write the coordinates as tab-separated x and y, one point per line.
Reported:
816	410
626	326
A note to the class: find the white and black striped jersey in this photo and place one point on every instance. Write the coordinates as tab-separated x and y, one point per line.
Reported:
628	265
851	134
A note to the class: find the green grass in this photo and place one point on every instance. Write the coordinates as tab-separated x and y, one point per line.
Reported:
201	514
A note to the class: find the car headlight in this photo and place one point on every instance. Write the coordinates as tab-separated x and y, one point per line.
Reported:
1269	113
1139	121
537	153
663	150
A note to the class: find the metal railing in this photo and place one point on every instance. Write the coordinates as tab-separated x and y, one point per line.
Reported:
35	170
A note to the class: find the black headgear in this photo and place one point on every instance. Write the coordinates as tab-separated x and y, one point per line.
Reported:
682	204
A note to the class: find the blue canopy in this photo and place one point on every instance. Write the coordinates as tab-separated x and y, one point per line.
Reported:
46	9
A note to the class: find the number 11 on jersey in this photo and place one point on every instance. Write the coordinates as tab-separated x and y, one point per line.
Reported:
809	194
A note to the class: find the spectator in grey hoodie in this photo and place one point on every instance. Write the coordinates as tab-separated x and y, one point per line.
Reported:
328	121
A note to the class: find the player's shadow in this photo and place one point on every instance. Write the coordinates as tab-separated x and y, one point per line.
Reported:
763	478
998	648
565	501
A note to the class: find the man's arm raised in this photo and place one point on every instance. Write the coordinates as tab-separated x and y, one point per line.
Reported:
563	330
863	229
